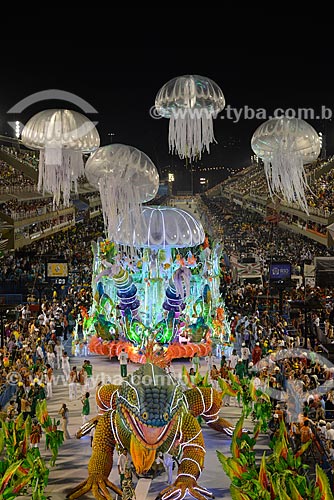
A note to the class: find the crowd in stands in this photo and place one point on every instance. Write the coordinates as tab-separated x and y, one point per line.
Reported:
10	177
242	227
73	244
82	180
90	196
23	155
321	195
252	181
308	225
12	181
37	229
17	209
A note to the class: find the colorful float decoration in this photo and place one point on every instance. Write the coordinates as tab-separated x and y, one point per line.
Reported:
168	292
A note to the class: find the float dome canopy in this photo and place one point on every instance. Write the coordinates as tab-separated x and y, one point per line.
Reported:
163	227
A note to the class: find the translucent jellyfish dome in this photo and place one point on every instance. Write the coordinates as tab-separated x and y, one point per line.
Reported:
126	177
66	128
119	163
61	135
163	227
290	134
285	145
190	102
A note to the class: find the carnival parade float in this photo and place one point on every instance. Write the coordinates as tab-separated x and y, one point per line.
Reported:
167	291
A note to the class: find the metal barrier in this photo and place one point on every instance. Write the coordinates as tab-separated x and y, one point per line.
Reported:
11	298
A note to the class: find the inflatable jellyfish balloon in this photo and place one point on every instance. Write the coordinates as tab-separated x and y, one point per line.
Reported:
190	102
62	136
285	145
162	227
126	177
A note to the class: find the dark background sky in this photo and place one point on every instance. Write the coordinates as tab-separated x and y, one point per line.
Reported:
121	83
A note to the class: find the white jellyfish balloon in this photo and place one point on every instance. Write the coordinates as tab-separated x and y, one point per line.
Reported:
285	145
62	136
126	177
190	102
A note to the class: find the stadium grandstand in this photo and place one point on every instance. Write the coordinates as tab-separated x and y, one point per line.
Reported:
248	189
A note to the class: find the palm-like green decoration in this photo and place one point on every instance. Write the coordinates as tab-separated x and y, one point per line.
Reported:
23	471
278	477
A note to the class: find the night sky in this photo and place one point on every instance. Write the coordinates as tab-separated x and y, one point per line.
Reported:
121	85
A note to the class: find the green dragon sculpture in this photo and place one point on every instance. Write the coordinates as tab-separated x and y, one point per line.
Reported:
151	413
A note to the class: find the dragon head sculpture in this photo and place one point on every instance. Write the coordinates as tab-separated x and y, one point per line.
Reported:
150	406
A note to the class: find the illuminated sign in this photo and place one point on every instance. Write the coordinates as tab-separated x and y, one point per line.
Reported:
57	270
280	271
